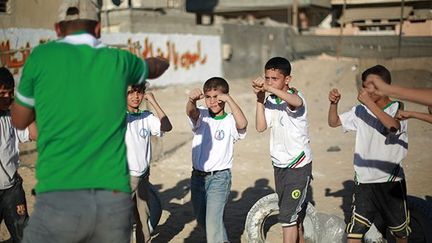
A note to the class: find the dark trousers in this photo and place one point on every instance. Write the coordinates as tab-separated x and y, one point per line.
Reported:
13	209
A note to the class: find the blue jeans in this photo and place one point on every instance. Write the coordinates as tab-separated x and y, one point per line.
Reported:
209	197
80	216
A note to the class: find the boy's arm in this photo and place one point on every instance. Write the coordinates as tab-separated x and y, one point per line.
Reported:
260	119
164	120
191	109
22	116
239	117
418	95
403	115
389	122
33	132
333	117
293	100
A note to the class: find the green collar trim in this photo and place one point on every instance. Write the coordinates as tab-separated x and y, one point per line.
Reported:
389	104
219	117
277	99
138	113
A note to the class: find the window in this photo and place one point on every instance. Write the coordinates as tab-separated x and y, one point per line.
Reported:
4	6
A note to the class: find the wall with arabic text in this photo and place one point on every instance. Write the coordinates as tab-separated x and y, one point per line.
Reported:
193	58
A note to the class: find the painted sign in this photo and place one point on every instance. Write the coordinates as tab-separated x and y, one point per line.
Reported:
192	58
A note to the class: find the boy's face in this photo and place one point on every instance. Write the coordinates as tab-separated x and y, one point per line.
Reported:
274	78
6	97
134	98
370	88
213	103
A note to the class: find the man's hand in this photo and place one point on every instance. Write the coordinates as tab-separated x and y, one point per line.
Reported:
195	95
377	85
334	96
402	115
157	66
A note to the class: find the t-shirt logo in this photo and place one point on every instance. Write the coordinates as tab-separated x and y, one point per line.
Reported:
295	194
21	209
219	135
144	132
281	121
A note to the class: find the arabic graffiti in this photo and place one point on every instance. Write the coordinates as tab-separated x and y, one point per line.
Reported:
15	58
184	60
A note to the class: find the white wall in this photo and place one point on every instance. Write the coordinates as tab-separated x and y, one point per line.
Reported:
192	58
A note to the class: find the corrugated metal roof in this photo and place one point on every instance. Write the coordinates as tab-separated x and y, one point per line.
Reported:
358	14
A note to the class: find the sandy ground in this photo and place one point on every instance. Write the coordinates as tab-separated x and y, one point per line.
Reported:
252	171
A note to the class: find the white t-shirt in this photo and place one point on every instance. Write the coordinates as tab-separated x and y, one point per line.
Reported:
378	153
289	137
140	126
213	141
9	153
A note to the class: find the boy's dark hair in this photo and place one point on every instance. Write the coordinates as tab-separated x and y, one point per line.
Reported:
139	87
279	63
378	70
6	78
216	83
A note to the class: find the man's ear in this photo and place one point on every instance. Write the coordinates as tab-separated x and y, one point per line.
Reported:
58	30
287	79
97	30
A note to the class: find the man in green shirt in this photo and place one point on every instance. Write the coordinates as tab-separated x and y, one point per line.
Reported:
75	89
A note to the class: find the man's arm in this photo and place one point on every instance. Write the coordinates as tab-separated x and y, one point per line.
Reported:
22	116
156	66
239	117
333	117
403	115
418	95
166	125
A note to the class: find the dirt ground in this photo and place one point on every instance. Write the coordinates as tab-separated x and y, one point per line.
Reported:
252	171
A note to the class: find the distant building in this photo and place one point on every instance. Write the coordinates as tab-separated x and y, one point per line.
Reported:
28	14
379	17
299	13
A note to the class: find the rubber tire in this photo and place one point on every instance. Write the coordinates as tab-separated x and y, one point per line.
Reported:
155	207
267	206
256	218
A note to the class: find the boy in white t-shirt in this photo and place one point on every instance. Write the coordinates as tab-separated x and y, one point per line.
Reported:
381	145
284	111
141	125
13	206
215	133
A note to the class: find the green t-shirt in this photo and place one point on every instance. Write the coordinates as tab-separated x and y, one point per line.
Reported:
77	88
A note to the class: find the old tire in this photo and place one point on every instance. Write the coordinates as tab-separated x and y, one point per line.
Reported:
257	217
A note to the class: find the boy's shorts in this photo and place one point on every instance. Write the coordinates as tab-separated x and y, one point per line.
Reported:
291	188
387	199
